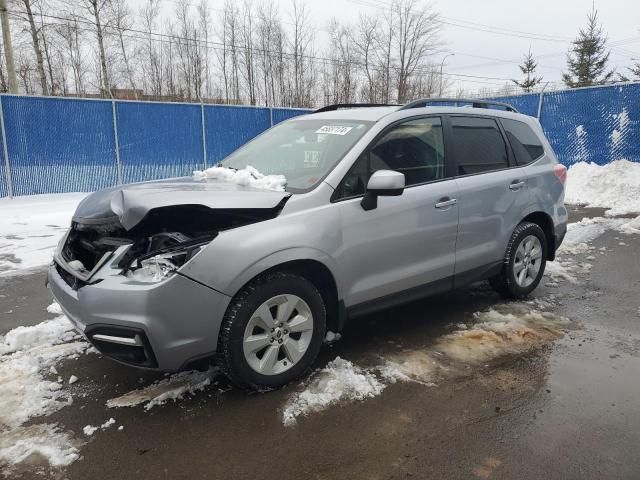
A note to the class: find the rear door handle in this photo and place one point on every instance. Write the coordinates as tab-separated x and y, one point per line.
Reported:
446	202
516	185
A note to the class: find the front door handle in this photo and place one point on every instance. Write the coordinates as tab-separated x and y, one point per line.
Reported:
446	202
516	185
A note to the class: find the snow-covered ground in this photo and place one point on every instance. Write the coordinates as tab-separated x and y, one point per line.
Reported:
30	388
30	228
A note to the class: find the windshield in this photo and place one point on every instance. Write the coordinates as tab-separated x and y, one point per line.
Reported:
304	151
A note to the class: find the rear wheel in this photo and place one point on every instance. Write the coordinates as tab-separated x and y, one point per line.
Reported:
524	262
272	331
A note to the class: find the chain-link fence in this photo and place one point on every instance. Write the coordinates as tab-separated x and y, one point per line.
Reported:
52	145
593	124
56	145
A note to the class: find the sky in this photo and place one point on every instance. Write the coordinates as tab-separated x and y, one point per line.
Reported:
489	38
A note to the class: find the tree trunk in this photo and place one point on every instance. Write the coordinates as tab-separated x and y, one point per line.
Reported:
106	84
36	47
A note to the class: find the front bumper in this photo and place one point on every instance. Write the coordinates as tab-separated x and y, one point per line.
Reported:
165	326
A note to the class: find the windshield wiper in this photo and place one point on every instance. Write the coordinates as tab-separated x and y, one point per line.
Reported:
220	165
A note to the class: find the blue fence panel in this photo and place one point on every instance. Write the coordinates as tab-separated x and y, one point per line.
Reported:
228	128
59	145
159	140
593	124
282	114
527	104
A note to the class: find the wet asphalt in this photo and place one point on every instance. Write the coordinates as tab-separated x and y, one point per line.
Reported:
568	410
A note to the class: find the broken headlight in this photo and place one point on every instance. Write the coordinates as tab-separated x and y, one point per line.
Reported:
155	268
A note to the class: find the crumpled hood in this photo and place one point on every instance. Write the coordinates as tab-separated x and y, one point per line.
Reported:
129	204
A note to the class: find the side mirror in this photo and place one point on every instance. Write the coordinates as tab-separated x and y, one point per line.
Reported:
383	183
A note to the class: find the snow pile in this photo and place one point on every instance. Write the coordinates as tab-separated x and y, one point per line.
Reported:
340	381
25	392
172	388
332	337
49	332
37	444
247	177
89	430
615	185
410	366
30	228
27	354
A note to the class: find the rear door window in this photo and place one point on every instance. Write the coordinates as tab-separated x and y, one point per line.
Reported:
525	143
479	145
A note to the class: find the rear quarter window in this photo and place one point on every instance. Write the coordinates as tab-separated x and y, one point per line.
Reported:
526	145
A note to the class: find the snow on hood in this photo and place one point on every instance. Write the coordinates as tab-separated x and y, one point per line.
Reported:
248	177
129	204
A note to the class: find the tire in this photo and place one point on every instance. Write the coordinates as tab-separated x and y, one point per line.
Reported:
253	362
508	282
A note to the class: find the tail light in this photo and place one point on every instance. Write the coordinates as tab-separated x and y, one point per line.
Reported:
561	173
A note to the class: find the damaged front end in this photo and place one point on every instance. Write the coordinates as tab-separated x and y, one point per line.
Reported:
155	248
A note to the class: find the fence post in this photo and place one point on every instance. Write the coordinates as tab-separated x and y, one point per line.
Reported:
115	136
540	100
270	117
7	165
204	134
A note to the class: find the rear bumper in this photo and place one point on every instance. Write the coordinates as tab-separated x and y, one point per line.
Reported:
558	237
163	326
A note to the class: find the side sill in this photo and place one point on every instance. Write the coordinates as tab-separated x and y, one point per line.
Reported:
399	298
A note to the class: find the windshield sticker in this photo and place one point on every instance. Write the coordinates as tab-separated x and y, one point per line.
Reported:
311	159
334	130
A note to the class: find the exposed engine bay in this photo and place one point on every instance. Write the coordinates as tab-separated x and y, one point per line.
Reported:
165	239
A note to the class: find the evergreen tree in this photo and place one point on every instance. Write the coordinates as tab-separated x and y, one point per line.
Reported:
588	57
528	68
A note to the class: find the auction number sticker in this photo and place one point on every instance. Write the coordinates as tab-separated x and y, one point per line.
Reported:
334	130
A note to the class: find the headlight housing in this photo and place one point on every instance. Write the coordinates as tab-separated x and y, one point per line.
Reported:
156	268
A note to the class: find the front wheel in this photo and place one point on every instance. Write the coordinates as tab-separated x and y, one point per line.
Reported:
272	331
524	262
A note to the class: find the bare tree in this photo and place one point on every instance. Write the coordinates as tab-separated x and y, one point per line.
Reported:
71	35
34	31
417	38
204	23
364	40
270	58
343	77
247	50
302	49
96	8
152	66
121	21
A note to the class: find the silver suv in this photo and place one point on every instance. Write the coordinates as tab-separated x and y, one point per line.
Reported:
382	205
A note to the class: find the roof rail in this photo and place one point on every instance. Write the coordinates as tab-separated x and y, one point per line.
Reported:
340	106
475	103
